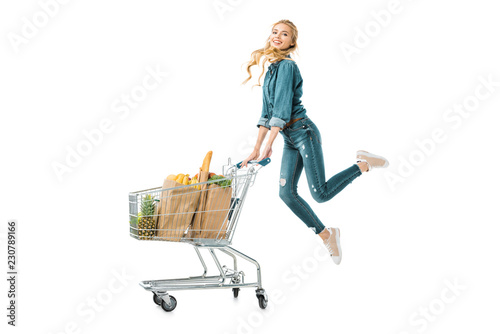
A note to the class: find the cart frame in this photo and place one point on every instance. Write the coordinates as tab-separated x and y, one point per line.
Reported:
228	278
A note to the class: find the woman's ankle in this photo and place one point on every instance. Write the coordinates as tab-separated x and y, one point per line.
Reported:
363	166
324	234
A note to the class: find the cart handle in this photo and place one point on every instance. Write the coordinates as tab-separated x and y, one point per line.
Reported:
263	162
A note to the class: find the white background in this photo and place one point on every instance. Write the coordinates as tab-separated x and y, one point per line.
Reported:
401	244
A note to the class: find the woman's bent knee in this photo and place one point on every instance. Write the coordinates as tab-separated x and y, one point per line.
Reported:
319	197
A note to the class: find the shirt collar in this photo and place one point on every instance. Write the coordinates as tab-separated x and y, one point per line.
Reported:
276	63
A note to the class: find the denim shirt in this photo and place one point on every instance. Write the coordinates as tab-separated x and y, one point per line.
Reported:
281	93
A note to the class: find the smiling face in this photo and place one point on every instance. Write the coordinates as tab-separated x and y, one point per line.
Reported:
281	37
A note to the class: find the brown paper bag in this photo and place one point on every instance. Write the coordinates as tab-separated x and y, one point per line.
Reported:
211	214
217	207
176	210
196	227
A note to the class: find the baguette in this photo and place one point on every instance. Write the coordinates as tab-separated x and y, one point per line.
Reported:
206	162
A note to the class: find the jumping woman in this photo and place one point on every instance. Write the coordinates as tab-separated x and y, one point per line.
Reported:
283	112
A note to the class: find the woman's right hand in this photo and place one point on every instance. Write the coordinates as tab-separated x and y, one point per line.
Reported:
253	156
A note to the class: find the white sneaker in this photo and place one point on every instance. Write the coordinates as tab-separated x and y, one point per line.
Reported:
373	161
333	244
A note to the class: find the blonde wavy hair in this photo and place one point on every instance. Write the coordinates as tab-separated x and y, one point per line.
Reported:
270	53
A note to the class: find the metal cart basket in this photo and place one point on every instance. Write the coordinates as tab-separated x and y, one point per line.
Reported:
204	215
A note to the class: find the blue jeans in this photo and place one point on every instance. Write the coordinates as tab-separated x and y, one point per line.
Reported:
302	149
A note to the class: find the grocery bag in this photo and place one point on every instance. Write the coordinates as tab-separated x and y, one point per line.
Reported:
212	212
214	221
196	226
176	210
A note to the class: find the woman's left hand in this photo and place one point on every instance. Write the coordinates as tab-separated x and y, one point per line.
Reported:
266	153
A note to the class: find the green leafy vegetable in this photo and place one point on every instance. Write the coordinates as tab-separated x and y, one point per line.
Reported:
224	183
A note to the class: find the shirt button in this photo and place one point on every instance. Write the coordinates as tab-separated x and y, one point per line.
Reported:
303	126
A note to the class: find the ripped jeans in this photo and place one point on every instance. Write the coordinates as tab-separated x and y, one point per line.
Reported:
302	149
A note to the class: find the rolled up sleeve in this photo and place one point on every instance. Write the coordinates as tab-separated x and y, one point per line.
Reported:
264	117
263	122
283	97
275	121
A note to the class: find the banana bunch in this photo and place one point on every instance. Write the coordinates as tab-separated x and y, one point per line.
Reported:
183	179
195	180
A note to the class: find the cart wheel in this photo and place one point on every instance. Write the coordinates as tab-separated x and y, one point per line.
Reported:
235	292
168	308
262	302
157	299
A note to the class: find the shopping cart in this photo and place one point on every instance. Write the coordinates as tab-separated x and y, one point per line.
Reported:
211	225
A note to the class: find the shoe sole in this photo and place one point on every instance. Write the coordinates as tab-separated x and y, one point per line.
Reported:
371	155
337	239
